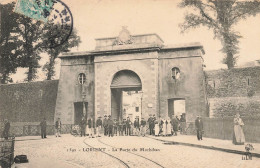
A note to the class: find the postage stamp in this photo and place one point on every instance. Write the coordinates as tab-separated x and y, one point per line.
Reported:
36	9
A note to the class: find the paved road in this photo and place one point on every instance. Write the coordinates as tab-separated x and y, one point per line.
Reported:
122	152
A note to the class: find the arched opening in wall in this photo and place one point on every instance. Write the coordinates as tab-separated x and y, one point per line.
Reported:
126	96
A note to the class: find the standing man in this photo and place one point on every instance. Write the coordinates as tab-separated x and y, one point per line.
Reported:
183	124
143	128
110	126
199	127
83	124
120	127
115	127
58	127
150	122
128	126
105	125
99	126
136	126
175	124
91	125
124	127
6	129
43	125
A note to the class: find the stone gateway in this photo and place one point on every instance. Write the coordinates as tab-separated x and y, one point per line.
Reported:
91	83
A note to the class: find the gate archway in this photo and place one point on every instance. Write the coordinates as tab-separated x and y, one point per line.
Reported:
124	80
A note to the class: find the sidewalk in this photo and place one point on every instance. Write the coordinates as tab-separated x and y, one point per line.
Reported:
209	143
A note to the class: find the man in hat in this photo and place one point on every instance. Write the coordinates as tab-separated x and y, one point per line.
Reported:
143	128
58	127
43	125
124	127
115	127
175	124
83	124
150	122
105	125
110	126
128	126
99	126
6	128
91	124
199	127
136	126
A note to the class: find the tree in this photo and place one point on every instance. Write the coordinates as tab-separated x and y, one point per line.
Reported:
221	16
9	43
53	53
30	32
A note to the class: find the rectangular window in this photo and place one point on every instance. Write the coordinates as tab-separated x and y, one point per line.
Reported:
136	109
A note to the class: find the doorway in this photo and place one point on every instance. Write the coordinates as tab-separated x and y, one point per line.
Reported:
78	111
176	107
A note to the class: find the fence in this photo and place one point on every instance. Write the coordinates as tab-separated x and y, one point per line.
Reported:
7	152
222	128
34	129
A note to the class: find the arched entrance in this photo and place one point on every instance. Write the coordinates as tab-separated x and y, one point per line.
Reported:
123	81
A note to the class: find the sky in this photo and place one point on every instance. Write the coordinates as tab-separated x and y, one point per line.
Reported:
105	18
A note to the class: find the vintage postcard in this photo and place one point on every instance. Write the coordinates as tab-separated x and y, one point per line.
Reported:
130	83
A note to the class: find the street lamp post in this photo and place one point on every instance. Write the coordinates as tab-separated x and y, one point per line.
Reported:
141	103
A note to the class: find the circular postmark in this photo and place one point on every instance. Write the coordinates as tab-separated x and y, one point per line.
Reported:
59	25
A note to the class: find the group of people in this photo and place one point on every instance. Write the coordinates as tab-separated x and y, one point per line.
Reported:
112	127
138	127
167	127
43	125
125	127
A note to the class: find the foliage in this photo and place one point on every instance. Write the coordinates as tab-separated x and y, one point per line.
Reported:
9	42
230	108
30	32
53	53
221	17
23	40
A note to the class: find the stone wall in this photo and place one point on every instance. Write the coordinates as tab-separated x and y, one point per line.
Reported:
237	82
190	86
70	90
235	90
145	65
28	102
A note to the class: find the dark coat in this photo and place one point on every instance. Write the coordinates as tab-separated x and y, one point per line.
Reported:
105	122
128	123
110	123
175	124
57	124
91	123
99	122
83	123
199	124
151	122
136	124
143	122
43	125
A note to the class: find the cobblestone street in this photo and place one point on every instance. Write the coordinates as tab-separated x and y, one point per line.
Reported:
105	152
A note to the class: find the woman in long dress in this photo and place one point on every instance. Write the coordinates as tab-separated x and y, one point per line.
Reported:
238	136
164	127
168	126
156	128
